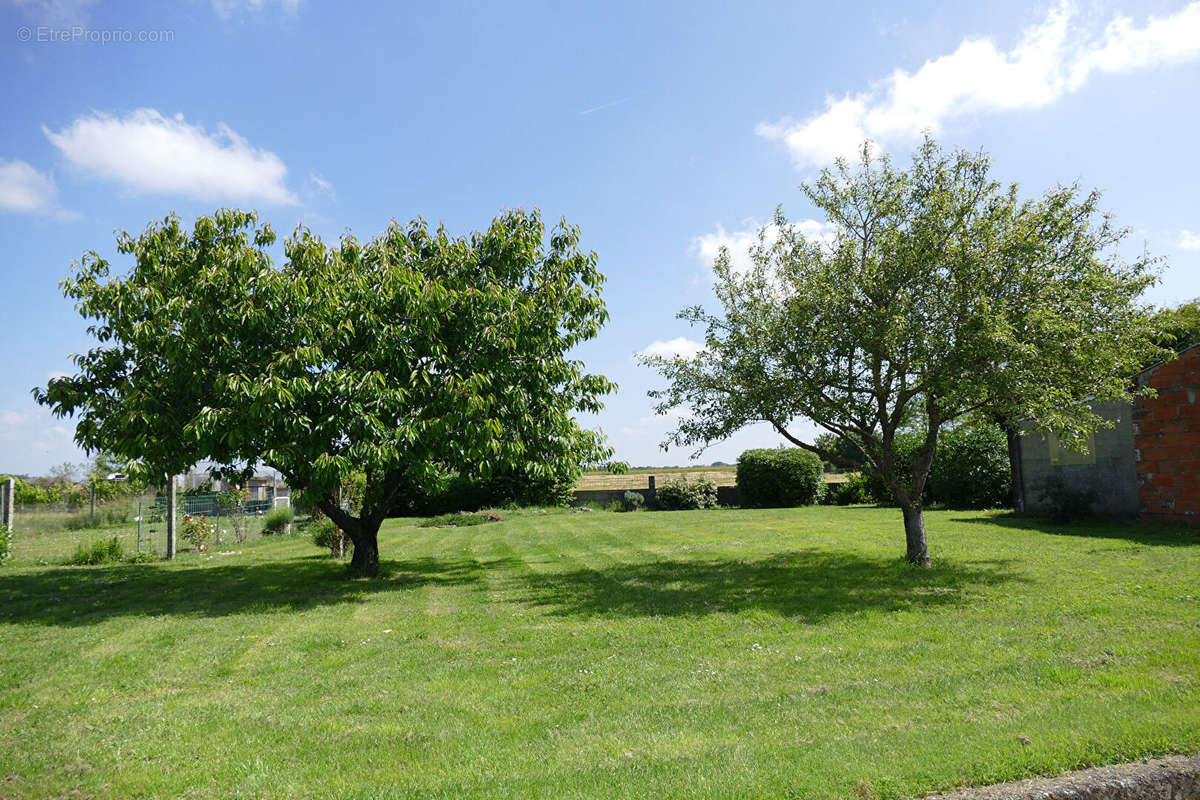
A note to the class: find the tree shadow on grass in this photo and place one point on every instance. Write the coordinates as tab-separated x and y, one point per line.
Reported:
809	585
73	596
1097	527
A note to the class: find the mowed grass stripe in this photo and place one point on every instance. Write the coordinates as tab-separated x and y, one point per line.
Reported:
677	654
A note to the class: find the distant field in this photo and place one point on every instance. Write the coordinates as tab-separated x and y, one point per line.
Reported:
639	478
694	654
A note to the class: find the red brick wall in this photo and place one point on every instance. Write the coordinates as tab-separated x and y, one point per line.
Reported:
1166	436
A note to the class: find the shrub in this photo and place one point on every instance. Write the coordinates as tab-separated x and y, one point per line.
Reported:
681	494
140	557
101	551
971	468
328	535
779	478
277	520
197	531
1063	503
853	491
632	501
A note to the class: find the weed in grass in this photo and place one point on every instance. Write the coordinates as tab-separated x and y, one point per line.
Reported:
101	551
461	519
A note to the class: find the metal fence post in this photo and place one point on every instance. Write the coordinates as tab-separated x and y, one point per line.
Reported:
171	500
139	541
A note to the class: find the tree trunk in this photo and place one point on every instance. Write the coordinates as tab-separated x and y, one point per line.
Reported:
914	534
365	560
1014	466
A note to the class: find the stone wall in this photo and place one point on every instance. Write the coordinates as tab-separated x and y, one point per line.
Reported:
1108	470
1167	441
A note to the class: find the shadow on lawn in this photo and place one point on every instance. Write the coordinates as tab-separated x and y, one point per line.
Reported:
88	595
810	585
1148	533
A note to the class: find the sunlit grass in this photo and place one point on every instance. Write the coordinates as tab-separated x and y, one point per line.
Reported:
724	653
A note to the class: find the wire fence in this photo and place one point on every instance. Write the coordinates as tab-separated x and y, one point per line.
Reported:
52	533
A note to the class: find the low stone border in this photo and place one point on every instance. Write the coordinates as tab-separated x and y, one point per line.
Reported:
1172	778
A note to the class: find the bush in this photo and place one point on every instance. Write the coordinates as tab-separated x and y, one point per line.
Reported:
328	535
197	531
140	557
970	468
1062	502
854	490
101	551
779	478
680	494
277	520
632	501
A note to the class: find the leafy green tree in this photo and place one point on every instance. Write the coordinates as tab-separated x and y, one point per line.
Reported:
940	295
1178	328
390	359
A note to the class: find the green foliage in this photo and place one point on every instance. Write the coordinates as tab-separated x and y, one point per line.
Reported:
855	490
1178	328
5	544
460	520
971	468
395	359
939	294
843	454
101	551
277	520
779	478
681	494
141	557
632	501
326	534
198	531
1063	503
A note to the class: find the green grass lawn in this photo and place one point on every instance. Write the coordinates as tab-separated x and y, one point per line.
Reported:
738	654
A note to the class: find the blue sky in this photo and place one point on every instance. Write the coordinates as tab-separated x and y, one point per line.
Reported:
663	129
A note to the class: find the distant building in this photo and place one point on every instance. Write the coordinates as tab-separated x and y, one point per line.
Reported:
1147	464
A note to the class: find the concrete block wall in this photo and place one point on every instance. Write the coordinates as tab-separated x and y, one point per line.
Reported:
1166	435
1108	471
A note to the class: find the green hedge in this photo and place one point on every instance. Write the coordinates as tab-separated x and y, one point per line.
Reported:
970	469
779	478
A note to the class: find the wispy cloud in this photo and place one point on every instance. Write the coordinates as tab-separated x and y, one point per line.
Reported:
321	185
234	9
1189	240
1051	59
603	106
154	154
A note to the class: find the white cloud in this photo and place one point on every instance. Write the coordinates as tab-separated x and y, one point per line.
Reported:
24	189
679	346
150	153
1051	59
707	246
230	9
1189	240
321	185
